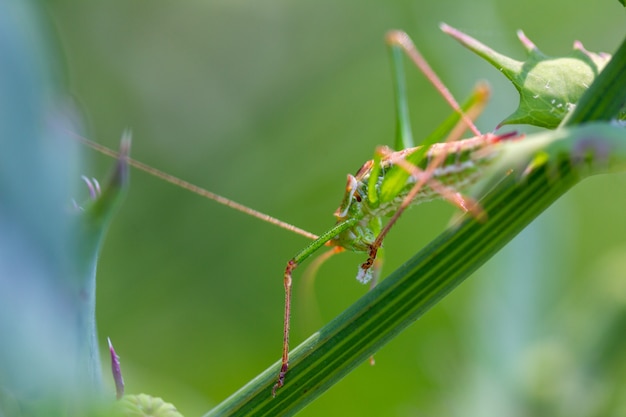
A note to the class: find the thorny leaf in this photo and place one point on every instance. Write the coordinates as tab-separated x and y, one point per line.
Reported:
549	87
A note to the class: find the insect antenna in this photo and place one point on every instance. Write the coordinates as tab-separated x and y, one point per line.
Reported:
196	189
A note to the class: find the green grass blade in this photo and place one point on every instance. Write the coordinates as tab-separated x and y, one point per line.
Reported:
404	134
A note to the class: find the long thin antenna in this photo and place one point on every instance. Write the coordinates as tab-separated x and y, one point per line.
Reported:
196	189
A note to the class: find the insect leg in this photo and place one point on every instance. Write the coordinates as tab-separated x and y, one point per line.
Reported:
376	270
399	39
287	282
466	204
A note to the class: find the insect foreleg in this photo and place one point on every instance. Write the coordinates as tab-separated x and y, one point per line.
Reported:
287	282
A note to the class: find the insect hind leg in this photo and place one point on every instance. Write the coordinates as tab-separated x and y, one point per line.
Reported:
467	204
399	39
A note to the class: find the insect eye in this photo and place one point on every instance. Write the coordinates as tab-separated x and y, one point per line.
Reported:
357	197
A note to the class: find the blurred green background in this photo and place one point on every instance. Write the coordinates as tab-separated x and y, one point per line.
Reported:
272	103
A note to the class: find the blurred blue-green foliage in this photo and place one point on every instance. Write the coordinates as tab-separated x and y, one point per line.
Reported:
48	354
272	103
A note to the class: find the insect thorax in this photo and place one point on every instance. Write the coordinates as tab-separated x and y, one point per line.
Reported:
460	168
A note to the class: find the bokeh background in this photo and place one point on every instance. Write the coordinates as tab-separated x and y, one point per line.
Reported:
272	103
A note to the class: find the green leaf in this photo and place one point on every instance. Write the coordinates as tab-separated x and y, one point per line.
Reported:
549	87
605	101
49	358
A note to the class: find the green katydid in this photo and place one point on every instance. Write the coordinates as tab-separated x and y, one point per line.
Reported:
386	185
393	180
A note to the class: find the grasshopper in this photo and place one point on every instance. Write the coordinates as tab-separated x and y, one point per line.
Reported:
386	185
